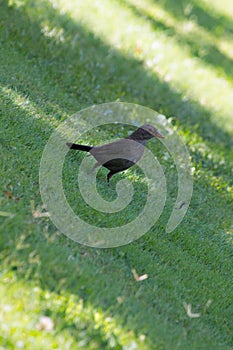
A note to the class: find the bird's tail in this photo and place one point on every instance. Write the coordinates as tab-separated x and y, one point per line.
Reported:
79	147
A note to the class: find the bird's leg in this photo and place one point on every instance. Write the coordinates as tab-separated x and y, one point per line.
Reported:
110	174
94	167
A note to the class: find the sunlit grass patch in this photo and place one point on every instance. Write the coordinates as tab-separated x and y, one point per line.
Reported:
34	318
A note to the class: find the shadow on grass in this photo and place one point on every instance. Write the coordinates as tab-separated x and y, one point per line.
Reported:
209	18
198	45
82	70
187	265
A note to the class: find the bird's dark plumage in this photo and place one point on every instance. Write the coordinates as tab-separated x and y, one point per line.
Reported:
79	147
121	154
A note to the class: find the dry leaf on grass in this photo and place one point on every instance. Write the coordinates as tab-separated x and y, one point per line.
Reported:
139	278
38	213
9	194
189	311
45	324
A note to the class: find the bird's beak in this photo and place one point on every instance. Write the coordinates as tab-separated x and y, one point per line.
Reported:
160	136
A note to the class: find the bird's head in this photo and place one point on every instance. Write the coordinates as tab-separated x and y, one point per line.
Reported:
150	131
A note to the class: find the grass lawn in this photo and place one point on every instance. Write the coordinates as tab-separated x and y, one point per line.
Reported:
58	57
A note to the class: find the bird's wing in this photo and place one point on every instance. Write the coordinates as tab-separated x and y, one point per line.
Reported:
121	149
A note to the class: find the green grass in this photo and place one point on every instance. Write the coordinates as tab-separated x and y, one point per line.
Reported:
59	57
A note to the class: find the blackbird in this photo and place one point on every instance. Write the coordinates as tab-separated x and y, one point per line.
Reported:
121	154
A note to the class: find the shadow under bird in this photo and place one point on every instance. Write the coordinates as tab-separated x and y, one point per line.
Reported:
120	155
